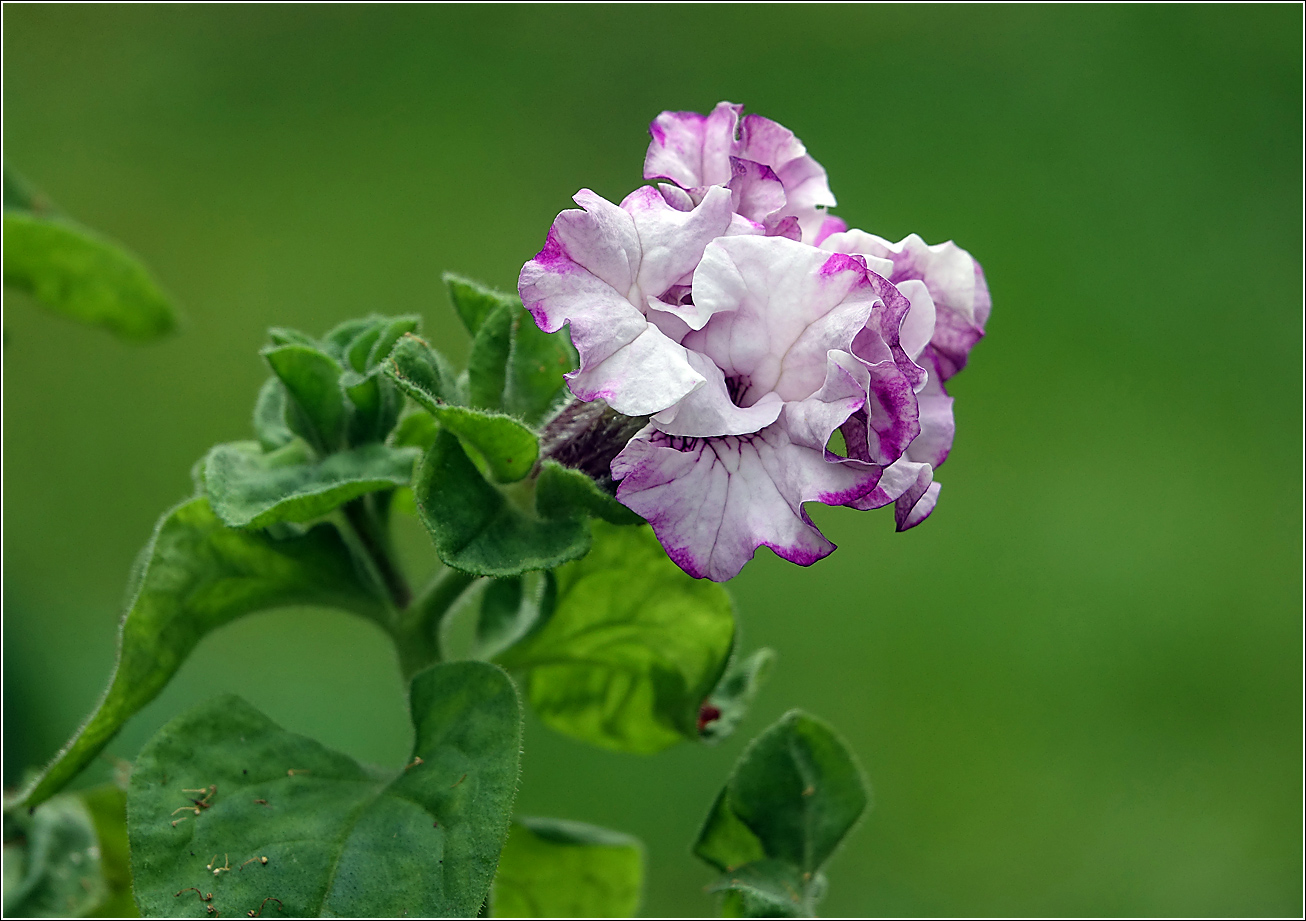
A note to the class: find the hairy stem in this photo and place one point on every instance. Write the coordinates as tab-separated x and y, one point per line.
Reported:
375	542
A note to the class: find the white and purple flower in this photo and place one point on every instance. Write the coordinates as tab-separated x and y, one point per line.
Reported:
749	326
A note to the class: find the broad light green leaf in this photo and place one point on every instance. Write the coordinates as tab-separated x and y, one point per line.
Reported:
78	273
316	410
339	839
632	649
195	575
476	528
248	488
475	302
731	698
794	794
561	492
58	872
552	868
507	448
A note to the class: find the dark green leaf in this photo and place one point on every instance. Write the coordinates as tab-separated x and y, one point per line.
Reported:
415	430
551	868
487	365
270	416
74	271
474	302
474	526
195	575
248	488
57	872
511	608
734	695
632	648
394	330
107	805
561	492
339	839
377	403
317	411
794	794
507	448
535	382
337	339
284	335
772	889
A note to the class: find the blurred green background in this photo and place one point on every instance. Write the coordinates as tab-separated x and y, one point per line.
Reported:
1076	690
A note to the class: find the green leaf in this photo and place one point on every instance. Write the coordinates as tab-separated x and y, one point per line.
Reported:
78	273
195	575
734	695
58	872
771	889
794	794
535	382
107	805
270	416
487	365
552	868
561	492
415	430
632	648
377	404
390	333
423	373
474	526
510	609
316	411
339	839
516	367
248	488
474	302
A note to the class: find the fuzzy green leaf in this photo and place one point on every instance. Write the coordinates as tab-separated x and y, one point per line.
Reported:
507	448
632	648
770	889
474	302
339	839
561	492
487	365
316	410
734	695
195	575
58	870
510	609
76	272
270	416
552	868
535	382
475	527
248	488
794	794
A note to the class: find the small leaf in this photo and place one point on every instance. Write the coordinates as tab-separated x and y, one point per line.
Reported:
248	488
728	703
510	609
795	792
339	839
772	889
58	873
107	805
195	575
552	868
270	416
394	330
508	448
561	492
415	430
377	403
474	302
76	272
317	404
632	648
474	526
337	339
535	380
487	365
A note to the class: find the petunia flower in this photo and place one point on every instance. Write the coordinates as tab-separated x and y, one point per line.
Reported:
772	180
792	342
950	304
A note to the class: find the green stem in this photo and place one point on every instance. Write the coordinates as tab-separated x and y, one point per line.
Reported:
418	634
375	543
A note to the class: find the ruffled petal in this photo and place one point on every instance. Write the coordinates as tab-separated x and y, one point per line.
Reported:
713	501
643	377
709	410
954	279
777	307
691	149
938	427
756	191
805	181
910	509
670	242
812	421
